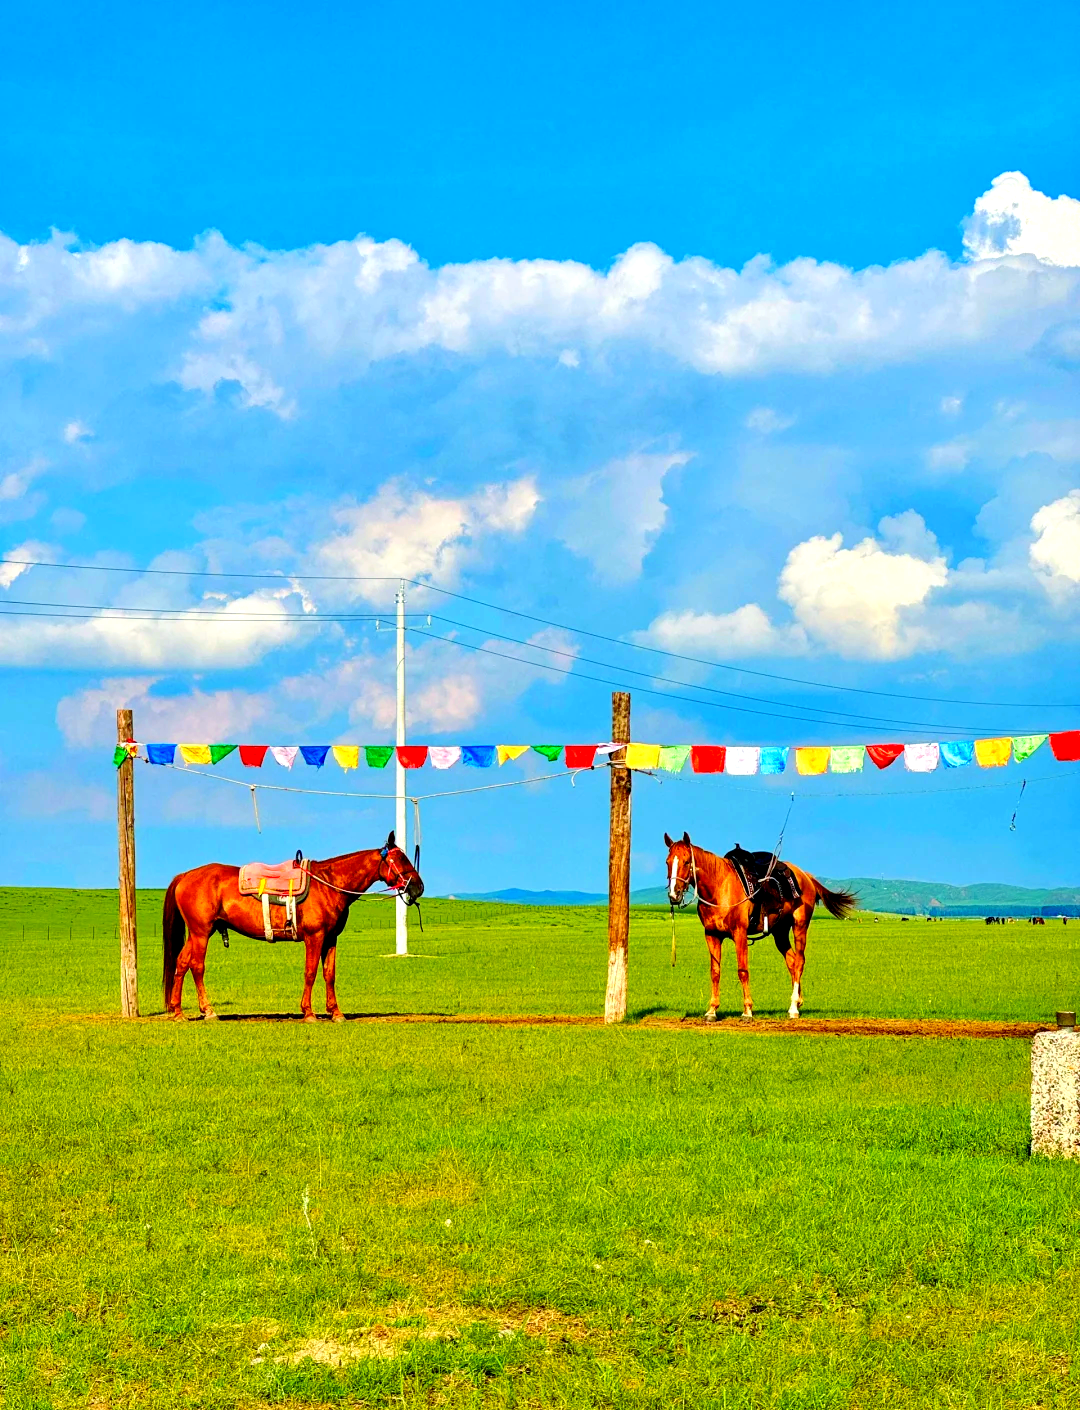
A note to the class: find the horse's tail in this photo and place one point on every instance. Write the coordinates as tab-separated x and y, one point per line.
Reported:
838	903
173	935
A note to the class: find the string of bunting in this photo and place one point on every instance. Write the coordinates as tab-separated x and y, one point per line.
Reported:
740	760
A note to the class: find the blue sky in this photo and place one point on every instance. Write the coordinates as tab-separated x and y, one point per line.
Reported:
753	341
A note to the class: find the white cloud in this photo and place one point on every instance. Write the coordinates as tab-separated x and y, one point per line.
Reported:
745	632
949	455
87	719
213	634
1055	554
1013	219
768	421
614	515
856	601
413	534
952	406
16	501
23	555
76	431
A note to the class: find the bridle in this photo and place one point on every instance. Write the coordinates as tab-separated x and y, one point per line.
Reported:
396	882
690	883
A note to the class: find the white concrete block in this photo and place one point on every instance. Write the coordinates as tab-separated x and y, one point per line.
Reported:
1055	1093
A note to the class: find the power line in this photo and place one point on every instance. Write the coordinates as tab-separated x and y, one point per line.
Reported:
669	695
283	577
690	685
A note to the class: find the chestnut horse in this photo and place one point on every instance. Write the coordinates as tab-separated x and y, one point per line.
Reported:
207	900
725	910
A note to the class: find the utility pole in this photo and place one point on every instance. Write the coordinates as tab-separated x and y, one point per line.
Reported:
125	824
618	864
402	911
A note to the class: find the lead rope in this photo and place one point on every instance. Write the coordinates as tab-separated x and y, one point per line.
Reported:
417	836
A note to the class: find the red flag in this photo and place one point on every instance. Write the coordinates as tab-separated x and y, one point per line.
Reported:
412	756
884	754
708	758
253	755
579	756
1066	745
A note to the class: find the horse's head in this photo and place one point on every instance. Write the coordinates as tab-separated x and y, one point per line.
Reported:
681	868
398	872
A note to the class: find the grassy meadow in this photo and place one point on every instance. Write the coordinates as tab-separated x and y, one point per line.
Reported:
232	1215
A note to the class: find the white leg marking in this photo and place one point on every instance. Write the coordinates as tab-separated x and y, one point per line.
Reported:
793	1011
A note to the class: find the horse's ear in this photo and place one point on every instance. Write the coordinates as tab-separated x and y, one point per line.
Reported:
686	838
668	842
391	841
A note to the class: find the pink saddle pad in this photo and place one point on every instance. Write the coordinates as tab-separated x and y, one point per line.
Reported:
280	879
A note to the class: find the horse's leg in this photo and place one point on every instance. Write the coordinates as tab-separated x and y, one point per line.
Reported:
782	937
312	951
742	959
329	970
197	965
183	964
714	940
800	931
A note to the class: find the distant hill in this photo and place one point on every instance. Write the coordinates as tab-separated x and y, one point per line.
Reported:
875	894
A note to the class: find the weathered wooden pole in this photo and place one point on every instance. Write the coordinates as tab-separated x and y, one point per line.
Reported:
618	864
125	825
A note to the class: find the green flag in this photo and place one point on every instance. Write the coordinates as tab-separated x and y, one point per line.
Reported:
1024	745
549	751
218	752
673	757
378	755
119	755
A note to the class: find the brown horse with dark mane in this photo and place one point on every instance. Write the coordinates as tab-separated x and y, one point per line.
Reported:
208	900
726	910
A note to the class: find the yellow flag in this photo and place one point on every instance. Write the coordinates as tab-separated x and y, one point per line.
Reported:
992	753
642	756
195	753
510	751
347	755
813	759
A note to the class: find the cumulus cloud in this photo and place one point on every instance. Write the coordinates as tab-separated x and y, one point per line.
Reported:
16	561
413	534
745	632
612	516
1013	219
76	431
856	601
1056	551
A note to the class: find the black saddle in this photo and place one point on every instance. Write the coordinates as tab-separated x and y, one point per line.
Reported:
769	883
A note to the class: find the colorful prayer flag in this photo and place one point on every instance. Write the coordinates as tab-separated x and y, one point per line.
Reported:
377	756
742	759
921	758
195	753
252	755
510	751
707	758
119	755
955	753
346	756
579	756
220	751
1024	745
444	756
993	753
773	759
412	756
673	757
285	754
642	756
812	759
884	754
161	753
1066	746
550	752
847	758
478	756
315	754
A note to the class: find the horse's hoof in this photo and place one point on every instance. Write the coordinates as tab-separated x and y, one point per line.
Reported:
177	1015
746	1018
710	1016
209	1014
310	1018
793	1013
337	1016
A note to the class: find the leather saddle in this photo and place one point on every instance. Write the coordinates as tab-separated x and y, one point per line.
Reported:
277	884
768	884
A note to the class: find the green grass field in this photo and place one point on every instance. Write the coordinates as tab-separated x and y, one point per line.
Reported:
234	1214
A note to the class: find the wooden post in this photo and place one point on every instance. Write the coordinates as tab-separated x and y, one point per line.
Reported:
618	865
125	824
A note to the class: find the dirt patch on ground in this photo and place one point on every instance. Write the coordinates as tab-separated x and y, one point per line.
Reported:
834	1027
